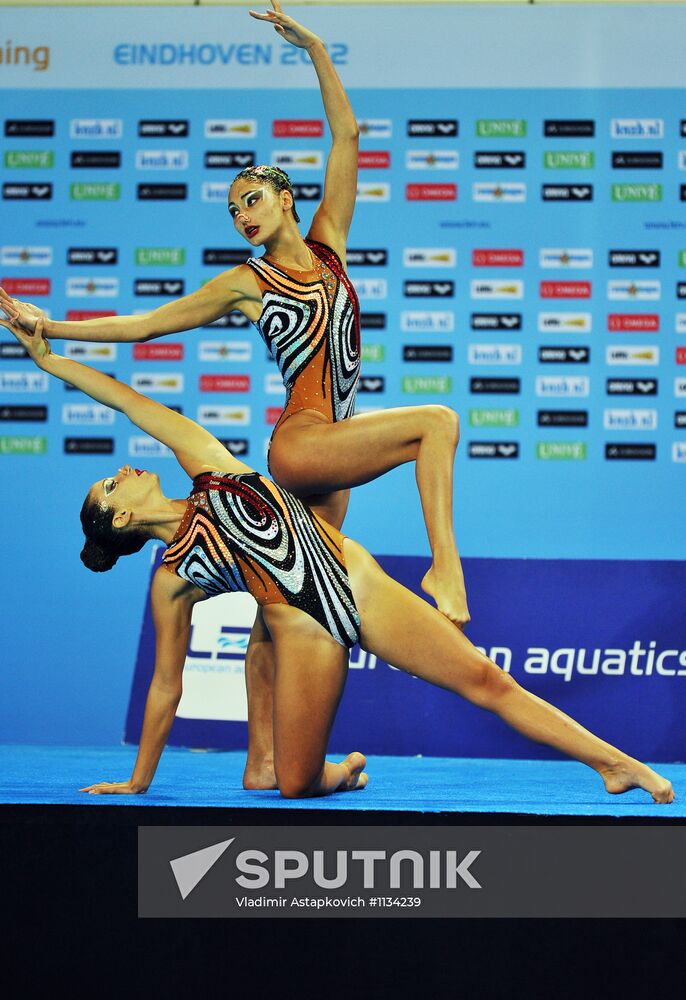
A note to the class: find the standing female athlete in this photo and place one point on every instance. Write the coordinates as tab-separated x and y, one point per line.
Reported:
319	591
305	307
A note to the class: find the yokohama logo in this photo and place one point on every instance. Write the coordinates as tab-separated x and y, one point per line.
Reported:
297	128
497	258
78	315
628	322
431	192
374	159
158	352
225	383
26	286
565	289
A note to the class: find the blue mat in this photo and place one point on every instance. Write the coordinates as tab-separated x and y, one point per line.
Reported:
53	775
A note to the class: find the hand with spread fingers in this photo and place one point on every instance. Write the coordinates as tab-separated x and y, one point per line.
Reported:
35	343
112	788
287	27
23	313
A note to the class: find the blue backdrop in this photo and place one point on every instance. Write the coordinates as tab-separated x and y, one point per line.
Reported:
519	250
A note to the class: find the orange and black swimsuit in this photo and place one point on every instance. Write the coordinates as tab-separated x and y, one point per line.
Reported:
312	328
242	532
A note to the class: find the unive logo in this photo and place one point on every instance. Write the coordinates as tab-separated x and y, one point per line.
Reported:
312	159
157	383
636	192
163	256
225	350
26	256
569	451
501	191
630	420
95	191
496	289
427	322
628	355
161	159
96	128
425	159
226	416
563	385
637	128
569	159
87	414
491	160
494	354
90	352
501	128
423	385
373	353
29	159
375	128
429	257
559	258
503	417
228	128
634	290
16	444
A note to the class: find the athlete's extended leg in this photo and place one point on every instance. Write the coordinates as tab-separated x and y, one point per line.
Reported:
259	683
309	455
402	629
310	675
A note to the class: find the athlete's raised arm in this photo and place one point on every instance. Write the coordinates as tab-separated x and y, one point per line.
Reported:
334	215
227	291
195	448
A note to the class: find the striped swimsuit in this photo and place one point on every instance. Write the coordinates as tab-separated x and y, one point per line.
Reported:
242	532
312	329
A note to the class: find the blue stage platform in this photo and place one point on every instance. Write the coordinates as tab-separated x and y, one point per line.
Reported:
49	775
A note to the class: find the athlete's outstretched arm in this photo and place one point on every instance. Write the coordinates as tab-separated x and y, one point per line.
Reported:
219	296
172	616
334	215
195	448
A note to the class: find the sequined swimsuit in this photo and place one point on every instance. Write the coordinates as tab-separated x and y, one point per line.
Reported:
312	329
242	532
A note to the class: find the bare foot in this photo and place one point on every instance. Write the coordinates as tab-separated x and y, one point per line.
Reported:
357	778
629	773
259	775
448	591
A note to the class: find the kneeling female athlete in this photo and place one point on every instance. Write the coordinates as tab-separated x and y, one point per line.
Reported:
320	593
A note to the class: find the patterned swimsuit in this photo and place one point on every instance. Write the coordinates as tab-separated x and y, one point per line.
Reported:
312	329
242	532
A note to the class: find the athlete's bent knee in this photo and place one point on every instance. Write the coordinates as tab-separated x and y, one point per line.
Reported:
446	421
490	685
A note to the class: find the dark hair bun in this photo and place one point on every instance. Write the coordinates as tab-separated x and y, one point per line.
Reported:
96	558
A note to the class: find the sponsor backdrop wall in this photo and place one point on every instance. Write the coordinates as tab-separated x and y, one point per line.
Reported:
519	250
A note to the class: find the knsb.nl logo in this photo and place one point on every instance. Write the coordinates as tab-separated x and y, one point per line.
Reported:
637	128
563	385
